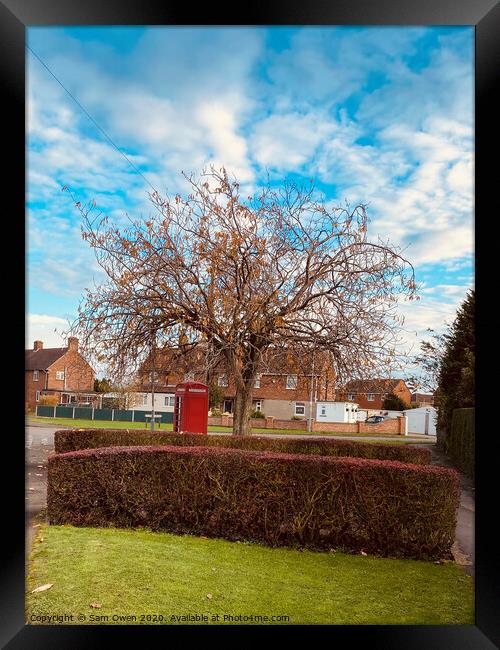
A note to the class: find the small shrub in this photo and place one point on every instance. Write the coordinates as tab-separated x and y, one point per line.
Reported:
215	413
380	507
297	417
73	440
258	415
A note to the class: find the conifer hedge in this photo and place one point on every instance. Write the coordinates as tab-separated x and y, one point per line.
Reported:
460	441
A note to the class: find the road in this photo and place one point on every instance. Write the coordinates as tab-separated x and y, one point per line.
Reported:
40	443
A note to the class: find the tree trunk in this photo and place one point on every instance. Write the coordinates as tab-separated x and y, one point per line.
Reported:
242	411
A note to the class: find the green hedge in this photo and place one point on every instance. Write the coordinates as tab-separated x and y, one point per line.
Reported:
351	504
73	440
460	441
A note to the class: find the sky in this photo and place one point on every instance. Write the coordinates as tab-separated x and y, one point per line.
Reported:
378	115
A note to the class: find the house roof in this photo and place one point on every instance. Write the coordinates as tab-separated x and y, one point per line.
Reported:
42	359
371	385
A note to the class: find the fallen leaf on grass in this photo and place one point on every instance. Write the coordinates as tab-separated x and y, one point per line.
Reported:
96	605
363	553
209	596
43	588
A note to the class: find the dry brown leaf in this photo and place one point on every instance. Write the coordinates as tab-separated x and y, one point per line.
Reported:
43	588
96	605
209	596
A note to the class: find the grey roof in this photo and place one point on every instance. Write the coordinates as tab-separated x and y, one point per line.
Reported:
42	359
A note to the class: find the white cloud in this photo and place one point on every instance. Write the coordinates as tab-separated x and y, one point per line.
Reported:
428	313
288	141
42	327
182	98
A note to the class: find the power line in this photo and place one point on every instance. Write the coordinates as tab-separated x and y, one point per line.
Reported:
91	118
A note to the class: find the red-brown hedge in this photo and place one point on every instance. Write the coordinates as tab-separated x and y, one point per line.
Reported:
381	507
73	440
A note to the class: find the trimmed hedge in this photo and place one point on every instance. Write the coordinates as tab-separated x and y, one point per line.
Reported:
73	440
380	507
460	441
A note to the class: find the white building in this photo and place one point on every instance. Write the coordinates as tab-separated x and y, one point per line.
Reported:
336	412
164	402
422	420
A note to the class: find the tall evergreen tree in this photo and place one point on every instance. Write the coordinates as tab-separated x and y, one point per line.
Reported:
456	371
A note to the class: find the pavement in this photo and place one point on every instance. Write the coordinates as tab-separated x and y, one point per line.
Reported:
464	548
40	443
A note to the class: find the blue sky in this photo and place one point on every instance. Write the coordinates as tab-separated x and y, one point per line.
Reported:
382	116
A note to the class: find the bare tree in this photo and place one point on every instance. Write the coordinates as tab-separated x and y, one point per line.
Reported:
428	362
245	276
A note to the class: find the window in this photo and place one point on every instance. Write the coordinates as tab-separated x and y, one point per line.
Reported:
370	397
60	374
300	408
35	375
37	395
323	411
145	399
257	382
222	381
291	381
169	400
72	399
153	377
258	405
350	397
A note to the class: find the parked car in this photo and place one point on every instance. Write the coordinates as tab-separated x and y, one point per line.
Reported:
375	419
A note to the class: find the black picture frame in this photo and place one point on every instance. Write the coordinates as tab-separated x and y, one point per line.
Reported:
15	16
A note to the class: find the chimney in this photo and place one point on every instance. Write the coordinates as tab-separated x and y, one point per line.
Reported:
73	343
38	345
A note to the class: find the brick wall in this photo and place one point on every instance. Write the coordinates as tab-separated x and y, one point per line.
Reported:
79	375
389	426
260	423
392	425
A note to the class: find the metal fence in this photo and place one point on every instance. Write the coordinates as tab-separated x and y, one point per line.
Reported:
89	413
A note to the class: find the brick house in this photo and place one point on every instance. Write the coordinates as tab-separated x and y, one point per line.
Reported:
370	393
281	390
422	399
58	372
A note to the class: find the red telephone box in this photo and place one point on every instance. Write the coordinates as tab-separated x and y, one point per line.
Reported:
191	408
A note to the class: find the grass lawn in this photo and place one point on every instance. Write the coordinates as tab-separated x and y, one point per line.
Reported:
109	424
134	572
